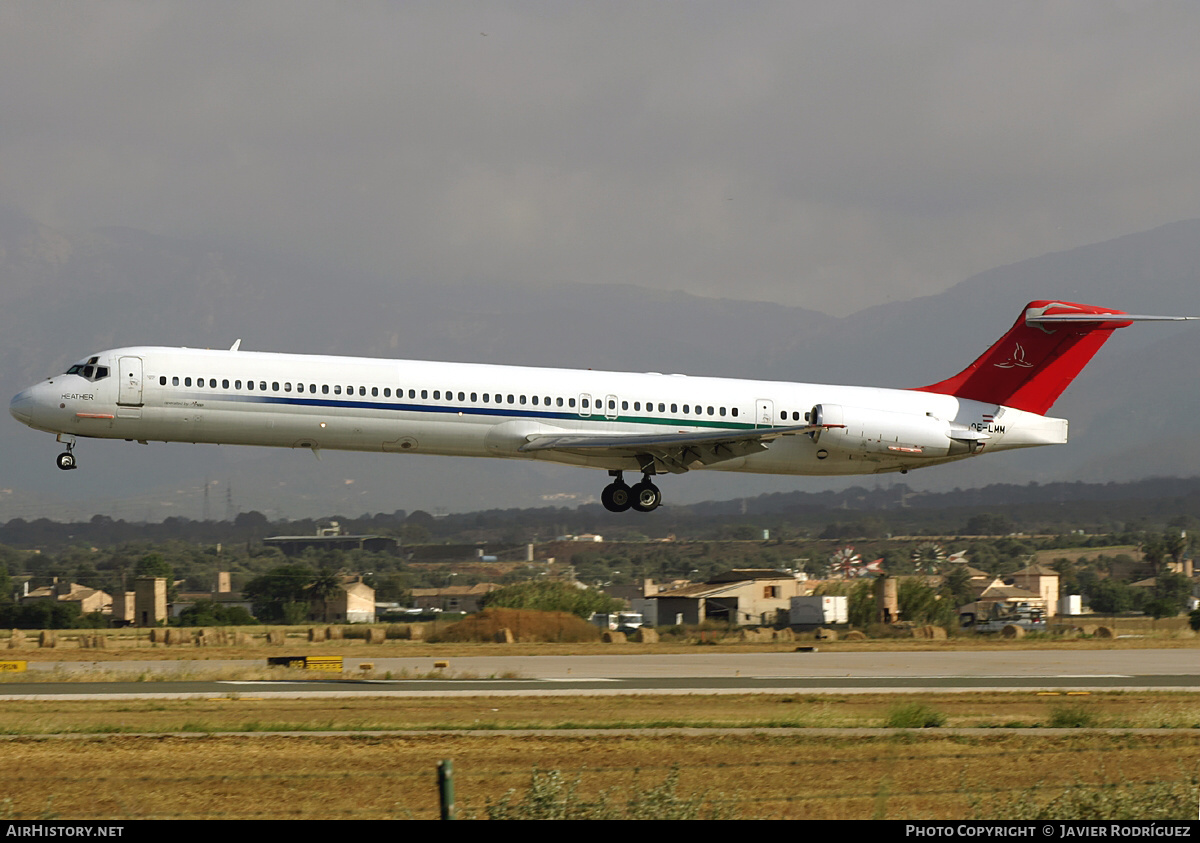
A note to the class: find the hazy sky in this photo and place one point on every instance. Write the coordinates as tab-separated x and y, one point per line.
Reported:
831	155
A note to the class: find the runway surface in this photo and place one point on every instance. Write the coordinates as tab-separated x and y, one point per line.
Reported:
702	673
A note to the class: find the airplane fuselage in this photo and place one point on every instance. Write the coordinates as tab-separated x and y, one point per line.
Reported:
480	410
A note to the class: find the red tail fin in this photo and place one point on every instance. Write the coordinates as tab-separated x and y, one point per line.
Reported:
1031	365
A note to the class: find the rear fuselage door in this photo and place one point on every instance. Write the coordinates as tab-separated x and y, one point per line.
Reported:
764	413
129	380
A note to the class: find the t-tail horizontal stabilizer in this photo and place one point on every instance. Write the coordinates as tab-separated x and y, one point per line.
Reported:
1031	365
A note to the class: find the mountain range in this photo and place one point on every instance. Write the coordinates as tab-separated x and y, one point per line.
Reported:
64	295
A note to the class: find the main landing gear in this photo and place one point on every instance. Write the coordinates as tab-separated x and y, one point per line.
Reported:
617	497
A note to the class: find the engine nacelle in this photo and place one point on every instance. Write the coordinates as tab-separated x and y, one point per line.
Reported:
887	434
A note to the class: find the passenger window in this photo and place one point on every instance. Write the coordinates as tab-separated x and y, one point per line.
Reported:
558	402
710	411
287	386
733	412
662	408
535	400
362	390
522	399
674	408
250	385
474	397
374	392
337	389
437	394
722	411
510	399
570	402
187	381
637	405
412	393
162	380
274	386
686	409
212	382
624	405
387	392
486	397
462	396
225	383
324	389
175	380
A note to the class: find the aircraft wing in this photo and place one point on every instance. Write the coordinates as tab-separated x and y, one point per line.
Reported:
676	452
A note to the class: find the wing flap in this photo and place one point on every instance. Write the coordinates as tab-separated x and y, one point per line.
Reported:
675	452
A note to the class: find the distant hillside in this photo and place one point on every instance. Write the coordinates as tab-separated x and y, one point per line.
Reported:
67	294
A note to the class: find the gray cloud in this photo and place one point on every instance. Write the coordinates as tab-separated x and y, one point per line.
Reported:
827	155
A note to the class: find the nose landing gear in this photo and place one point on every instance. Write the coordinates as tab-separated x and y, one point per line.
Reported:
66	460
618	497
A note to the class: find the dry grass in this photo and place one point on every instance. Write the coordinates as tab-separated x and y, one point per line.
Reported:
244	712
922	776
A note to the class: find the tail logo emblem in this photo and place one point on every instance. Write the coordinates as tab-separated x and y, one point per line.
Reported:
1017	361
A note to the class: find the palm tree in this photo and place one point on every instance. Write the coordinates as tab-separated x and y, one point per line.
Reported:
324	586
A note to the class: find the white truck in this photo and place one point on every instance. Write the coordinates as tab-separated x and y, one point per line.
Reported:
617	621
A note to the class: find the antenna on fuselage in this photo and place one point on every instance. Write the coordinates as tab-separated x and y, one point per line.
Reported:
236	345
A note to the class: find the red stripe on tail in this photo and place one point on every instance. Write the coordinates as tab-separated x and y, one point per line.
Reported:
1031	365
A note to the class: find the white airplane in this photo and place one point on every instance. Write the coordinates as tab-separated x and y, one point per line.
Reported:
616	421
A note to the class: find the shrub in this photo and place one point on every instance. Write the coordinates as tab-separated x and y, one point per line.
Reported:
1121	801
552	797
914	716
1071	717
551	597
526	625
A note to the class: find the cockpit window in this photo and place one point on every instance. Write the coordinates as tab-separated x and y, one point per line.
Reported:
89	370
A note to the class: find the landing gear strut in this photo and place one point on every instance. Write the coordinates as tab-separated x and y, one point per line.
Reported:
617	497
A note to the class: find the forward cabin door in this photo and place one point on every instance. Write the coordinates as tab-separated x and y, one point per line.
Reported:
129	388
610	407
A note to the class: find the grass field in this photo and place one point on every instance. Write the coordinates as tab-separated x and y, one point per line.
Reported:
188	767
245	713
107	773
906	776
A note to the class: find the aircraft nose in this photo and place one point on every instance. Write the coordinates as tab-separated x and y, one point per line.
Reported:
21	407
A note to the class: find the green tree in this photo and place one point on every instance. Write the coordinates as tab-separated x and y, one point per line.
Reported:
209	613
551	597
921	604
280	595
323	588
